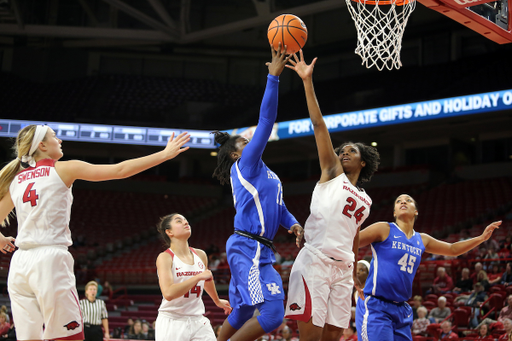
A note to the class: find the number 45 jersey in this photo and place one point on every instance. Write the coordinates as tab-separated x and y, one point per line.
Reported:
337	209
394	264
43	206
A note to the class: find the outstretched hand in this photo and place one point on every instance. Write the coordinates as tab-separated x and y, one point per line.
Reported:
279	60
6	244
490	229
174	145
304	70
223	304
299	232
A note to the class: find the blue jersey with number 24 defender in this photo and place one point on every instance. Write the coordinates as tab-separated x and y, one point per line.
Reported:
394	265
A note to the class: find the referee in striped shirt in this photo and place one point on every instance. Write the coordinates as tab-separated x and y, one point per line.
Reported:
94	313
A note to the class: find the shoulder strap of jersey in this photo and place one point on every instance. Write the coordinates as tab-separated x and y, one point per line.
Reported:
193	250
170	252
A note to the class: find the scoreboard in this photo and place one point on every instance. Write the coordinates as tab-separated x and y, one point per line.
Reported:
86	132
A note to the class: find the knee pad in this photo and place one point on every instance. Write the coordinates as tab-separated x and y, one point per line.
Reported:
272	315
240	315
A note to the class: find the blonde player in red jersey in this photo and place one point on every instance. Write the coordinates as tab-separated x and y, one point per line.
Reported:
41	282
323	275
183	274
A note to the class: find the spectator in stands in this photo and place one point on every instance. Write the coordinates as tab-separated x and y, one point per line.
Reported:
129	326
495	275
107	290
442	283
418	302
506	278
478	267
363	269
440	312
507	242
482	252
45	222
446	332
507	325
147	332
475	300
464	284
288	260
484	333
10	335
4	310
136	331
286	334
100	287
4	325
94	313
419	325
492	254
349	334
214	262
505	313
483	279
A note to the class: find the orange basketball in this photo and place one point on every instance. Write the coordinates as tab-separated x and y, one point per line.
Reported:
289	30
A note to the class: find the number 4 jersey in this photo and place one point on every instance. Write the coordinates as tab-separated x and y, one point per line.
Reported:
190	304
394	264
337	209
43	206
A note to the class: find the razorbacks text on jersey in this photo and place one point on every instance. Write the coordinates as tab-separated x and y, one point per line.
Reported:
338	208
191	303
43	206
394	265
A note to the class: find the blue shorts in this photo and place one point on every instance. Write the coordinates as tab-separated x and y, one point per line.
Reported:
379	320
253	278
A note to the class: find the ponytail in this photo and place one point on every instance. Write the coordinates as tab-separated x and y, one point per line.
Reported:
21	148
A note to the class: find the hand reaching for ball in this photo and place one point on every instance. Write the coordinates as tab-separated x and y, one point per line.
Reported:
279	60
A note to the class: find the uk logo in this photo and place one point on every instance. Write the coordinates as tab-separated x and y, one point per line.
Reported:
273	288
72	325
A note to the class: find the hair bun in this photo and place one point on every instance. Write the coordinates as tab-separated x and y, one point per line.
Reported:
221	137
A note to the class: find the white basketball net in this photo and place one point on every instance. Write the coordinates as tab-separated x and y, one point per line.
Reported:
380	28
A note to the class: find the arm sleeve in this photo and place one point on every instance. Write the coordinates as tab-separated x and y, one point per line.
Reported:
268	114
287	219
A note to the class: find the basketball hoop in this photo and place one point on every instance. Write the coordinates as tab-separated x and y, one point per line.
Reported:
380	26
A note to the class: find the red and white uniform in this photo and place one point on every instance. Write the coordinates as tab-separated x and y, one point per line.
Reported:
182	318
42	284
321	278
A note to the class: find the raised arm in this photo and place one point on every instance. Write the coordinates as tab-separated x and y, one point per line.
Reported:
329	161
171	290
268	110
375	233
439	247
73	170
211	290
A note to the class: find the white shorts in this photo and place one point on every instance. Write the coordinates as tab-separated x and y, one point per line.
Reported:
187	328
42	289
320	288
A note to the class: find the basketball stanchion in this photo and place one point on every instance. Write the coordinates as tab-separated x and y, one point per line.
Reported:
380	26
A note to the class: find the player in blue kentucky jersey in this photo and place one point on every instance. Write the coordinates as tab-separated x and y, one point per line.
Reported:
258	198
397	248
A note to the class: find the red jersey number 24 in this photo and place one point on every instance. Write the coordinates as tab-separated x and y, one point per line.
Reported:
30	195
351	207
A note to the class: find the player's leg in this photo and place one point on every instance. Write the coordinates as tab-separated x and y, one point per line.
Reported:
308	331
24	306
403	323
167	328
271	316
238	317
55	287
339	306
373	320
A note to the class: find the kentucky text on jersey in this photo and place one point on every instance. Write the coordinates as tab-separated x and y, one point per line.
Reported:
408	248
188	273
272	175
36	173
356	194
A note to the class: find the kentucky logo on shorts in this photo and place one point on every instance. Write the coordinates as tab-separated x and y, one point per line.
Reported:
294	306
273	288
72	325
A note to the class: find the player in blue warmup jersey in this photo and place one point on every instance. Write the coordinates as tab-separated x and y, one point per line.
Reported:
397	250
258	199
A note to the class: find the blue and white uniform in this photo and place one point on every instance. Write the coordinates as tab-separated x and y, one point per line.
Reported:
385	314
260	209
